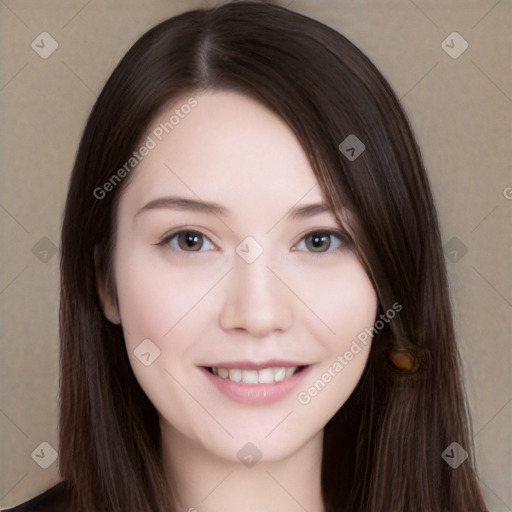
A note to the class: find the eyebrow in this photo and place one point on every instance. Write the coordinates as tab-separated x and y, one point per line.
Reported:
192	205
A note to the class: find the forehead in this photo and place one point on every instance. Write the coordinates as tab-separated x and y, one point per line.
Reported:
228	148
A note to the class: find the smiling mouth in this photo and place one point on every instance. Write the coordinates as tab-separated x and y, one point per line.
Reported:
263	376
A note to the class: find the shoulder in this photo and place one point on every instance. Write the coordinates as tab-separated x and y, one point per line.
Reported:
55	499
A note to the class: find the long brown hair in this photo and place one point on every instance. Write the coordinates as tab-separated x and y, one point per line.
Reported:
382	449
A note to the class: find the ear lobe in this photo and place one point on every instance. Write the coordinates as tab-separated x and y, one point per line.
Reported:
110	309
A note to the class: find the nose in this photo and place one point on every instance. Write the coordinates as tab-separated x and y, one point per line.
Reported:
256	301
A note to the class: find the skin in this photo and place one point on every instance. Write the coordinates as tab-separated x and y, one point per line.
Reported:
211	305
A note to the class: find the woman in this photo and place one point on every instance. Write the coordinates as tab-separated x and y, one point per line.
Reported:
254	304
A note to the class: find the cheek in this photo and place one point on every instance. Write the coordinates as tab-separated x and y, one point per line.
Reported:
155	296
143	307
341	299
345	305
157	304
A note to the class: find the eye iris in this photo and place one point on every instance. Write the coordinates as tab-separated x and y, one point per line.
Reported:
190	239
318	243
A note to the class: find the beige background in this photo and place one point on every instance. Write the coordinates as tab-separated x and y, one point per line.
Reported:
460	110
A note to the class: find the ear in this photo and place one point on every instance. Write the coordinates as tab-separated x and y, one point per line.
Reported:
108	303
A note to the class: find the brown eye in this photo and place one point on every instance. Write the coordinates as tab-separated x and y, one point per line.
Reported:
318	242
188	241
323	241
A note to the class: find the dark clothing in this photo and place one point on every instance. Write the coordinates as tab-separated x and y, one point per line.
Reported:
55	499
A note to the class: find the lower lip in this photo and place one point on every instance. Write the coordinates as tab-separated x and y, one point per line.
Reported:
257	394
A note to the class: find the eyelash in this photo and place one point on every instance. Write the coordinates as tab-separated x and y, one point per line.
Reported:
342	236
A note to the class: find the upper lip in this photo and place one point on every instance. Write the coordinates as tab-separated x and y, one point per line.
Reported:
252	365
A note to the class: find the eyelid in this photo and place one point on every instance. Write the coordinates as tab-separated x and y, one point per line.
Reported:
339	232
342	235
164	241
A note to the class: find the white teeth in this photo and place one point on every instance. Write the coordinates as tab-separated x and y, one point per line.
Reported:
280	374
263	376
250	376
235	374
266	376
289	372
222	372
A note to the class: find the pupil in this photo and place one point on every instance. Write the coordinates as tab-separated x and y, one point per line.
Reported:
191	239
318	240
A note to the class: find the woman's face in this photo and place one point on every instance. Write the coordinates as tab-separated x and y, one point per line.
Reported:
256	286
